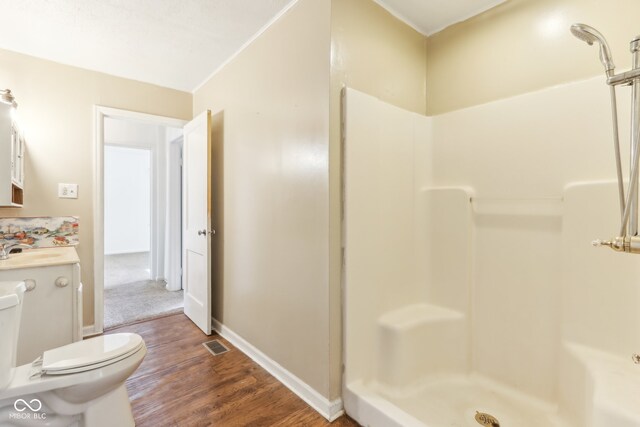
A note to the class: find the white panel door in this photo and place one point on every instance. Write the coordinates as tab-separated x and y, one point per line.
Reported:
196	229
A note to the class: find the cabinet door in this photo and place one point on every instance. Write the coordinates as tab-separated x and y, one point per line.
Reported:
19	167
14	152
47	311
17	156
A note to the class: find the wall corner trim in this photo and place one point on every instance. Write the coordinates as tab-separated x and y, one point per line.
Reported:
330	410
253	38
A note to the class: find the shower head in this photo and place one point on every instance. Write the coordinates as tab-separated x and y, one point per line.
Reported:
586	33
590	35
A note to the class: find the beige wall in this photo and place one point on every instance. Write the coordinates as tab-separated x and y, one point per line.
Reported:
276	143
275	99
56	106
373	52
523	46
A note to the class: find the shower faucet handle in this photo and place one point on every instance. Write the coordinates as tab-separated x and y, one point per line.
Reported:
597	243
628	244
616	244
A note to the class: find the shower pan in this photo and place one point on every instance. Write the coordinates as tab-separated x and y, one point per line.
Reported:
472	296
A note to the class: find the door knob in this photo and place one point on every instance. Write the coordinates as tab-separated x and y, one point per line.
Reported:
204	232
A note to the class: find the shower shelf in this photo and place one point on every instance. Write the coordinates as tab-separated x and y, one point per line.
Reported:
544	206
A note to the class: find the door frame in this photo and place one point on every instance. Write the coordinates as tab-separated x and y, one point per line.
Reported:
174	197
100	114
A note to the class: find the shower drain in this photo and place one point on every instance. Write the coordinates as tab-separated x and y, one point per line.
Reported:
486	420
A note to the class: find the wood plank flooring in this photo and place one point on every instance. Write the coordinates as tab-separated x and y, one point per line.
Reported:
181	384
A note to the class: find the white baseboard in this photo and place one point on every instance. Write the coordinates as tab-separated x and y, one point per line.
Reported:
331	410
128	252
89	331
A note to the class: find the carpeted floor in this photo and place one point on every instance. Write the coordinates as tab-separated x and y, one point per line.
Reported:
139	300
126	268
129	294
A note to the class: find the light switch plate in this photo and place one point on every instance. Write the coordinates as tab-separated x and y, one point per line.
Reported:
68	191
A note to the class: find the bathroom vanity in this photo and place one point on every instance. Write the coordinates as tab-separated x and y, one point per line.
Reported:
52	308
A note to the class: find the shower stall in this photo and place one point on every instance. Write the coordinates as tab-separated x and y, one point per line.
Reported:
472	294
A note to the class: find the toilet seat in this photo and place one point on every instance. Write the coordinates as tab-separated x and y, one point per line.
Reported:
90	354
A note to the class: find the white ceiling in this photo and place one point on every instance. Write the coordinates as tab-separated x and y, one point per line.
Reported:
431	16
172	43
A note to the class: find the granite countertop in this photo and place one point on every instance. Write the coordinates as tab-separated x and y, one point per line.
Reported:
43	257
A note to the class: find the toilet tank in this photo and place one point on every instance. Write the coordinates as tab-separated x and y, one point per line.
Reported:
11	298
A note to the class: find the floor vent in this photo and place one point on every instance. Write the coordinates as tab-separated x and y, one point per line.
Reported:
215	347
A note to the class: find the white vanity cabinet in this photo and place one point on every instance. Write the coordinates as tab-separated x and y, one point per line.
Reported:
52	307
11	160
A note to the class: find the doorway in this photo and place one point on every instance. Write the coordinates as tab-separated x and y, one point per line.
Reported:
138	221
127	215
131	291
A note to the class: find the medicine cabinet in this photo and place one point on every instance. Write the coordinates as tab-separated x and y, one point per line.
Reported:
11	159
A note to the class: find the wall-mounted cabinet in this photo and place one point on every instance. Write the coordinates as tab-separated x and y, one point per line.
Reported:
11	160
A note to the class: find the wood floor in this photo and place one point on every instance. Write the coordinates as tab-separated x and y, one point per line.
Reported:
181	384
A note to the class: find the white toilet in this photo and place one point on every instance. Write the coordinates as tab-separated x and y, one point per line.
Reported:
80	384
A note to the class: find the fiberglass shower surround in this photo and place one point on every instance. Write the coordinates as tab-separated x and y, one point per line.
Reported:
471	292
628	239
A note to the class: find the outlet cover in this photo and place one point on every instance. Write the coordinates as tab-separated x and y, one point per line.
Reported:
68	191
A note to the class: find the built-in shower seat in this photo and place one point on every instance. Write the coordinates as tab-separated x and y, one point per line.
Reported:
420	340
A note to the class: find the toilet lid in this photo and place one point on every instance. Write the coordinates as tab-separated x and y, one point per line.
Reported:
90	354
